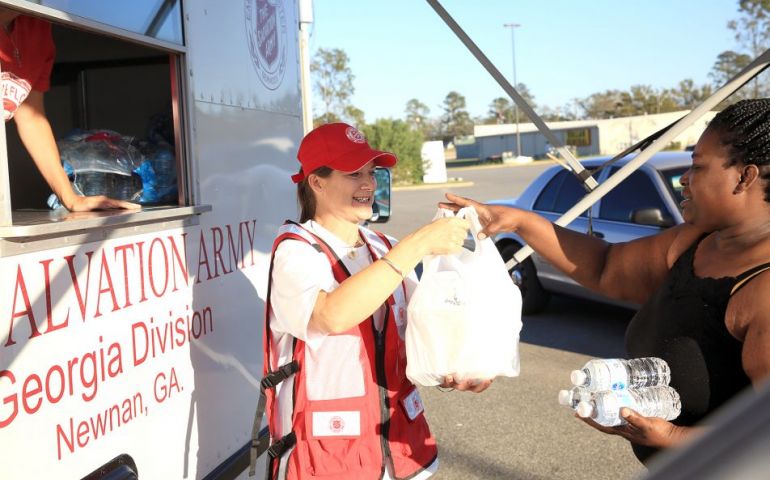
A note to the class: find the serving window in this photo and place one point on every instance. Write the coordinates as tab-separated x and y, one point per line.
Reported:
116	108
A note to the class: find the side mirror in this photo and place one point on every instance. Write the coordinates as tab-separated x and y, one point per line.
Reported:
651	216
381	205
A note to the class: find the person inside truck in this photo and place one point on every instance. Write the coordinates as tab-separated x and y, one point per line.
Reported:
336	318
702	284
26	59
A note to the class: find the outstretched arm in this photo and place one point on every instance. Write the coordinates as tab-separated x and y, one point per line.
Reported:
630	271
360	295
37	137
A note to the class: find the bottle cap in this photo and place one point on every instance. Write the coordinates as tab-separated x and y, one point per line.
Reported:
565	397
584	409
578	377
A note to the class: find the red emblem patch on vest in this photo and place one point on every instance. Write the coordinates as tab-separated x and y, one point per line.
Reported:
336	424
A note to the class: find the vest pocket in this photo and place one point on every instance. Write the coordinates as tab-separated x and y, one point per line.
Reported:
338	443
334	369
409	428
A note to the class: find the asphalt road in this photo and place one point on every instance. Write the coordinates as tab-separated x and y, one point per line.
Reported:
516	429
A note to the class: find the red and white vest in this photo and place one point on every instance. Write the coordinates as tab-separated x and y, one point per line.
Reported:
354	437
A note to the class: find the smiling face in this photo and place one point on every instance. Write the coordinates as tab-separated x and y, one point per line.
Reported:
710	185
346	196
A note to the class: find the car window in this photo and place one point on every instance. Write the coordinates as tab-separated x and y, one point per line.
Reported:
671	177
560	194
635	192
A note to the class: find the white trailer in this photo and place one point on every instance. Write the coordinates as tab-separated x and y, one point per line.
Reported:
134	339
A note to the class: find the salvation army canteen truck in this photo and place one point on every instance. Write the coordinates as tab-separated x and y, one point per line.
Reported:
131	341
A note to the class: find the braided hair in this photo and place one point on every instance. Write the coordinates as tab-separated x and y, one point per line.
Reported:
744	129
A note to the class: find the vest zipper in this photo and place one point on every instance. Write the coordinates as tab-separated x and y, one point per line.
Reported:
382	385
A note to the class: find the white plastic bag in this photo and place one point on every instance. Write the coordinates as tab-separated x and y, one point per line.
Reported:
464	317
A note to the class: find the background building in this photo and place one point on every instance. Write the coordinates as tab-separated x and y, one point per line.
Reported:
585	137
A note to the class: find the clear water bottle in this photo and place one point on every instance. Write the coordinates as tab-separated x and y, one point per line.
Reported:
619	374
572	397
662	402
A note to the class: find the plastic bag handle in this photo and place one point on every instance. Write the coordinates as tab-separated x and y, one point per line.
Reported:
470	214
430	262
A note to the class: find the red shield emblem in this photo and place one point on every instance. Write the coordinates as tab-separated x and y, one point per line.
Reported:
336	424
268	37
267	31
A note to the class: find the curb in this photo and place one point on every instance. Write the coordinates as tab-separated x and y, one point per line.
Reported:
429	186
500	165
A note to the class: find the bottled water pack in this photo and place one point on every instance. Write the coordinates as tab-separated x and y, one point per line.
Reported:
572	397
620	374
603	386
604	407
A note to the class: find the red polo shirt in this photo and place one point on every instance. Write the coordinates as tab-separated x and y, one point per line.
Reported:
26	58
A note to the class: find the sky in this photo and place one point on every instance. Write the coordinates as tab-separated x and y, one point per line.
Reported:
565	49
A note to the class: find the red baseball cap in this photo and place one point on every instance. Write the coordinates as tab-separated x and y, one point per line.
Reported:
338	146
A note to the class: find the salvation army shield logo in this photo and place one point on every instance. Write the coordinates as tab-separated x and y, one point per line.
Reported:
355	135
336	424
267	36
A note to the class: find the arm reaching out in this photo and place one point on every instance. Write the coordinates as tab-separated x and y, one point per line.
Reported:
361	294
629	271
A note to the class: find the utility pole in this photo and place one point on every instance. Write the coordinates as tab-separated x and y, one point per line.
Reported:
513	27
305	20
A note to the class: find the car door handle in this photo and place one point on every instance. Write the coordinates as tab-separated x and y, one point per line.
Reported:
597	234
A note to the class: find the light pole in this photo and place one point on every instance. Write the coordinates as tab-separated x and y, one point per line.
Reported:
513	27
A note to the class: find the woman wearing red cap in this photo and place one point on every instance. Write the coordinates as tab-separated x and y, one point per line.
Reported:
338	401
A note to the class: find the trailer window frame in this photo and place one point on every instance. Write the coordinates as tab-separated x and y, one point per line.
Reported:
22	231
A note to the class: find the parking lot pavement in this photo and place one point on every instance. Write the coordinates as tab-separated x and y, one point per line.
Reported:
516	429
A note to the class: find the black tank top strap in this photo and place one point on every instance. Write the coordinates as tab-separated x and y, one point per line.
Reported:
744	278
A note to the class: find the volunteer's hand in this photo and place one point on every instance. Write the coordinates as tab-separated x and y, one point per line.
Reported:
475	386
99	202
493	218
443	236
648	431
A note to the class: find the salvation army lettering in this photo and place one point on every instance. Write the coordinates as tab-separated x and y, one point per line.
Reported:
133	286
221	251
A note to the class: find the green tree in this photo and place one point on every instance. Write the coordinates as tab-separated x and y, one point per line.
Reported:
455	121
523	90
396	136
334	84
355	116
688	95
417	116
752	28
503	110
637	100
727	65
324	118
607	104
752	32
500	111
556	114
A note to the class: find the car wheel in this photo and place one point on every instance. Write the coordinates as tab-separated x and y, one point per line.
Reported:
533	297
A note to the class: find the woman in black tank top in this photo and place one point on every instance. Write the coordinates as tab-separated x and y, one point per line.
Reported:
702	285
684	323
